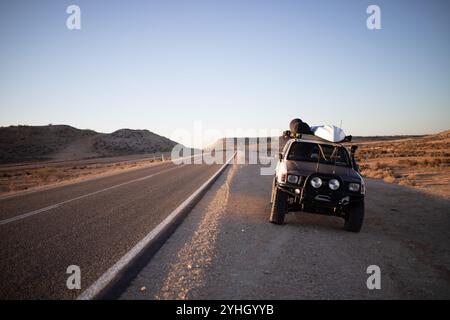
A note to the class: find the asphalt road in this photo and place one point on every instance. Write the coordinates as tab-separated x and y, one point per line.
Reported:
91	224
227	249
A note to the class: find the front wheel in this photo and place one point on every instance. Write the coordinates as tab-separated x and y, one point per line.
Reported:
279	206
354	217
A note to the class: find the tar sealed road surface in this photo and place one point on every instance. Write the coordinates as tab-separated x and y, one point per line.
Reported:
90	224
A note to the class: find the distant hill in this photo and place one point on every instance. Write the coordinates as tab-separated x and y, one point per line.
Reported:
127	141
384	138
63	142
253	145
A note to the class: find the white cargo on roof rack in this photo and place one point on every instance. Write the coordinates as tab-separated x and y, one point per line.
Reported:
329	133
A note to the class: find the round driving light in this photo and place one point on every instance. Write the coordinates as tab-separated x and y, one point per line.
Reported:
316	182
297	191
292	179
333	184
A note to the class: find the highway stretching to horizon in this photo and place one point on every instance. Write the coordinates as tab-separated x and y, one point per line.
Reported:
91	224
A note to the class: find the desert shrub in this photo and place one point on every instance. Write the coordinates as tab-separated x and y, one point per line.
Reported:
379	165
407	162
408	181
431	163
379	174
44	173
364	167
370	173
5	188
437	162
61	175
388	173
389	179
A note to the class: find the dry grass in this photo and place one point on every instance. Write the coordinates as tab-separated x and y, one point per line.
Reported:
17	179
422	163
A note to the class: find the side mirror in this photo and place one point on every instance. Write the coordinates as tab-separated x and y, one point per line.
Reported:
352	152
280	156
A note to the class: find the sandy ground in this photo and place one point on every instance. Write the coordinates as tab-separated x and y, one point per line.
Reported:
421	163
227	249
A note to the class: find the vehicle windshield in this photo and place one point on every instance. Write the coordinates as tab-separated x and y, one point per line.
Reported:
328	154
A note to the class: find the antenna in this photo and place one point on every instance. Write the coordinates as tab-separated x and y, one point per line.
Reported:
340	125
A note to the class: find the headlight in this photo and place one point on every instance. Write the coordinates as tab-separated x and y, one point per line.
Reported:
292	179
316	182
334	184
281	172
354	187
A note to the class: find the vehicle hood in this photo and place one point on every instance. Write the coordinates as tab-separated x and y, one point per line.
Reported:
305	168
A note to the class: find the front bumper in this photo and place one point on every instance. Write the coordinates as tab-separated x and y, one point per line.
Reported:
303	197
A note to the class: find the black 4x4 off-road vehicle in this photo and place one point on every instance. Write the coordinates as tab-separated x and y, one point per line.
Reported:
317	176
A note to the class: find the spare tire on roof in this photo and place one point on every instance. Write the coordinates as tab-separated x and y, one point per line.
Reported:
298	126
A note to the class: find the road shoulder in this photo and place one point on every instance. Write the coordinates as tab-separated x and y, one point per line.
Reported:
226	249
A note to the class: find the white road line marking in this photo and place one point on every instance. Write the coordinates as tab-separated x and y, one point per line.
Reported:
87	179
32	213
106	278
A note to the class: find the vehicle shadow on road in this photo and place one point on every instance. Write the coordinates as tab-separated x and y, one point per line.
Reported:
314	221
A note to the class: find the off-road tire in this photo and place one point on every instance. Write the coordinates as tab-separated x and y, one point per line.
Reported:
354	217
279	207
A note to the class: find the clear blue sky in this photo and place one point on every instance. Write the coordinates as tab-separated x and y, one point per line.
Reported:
230	64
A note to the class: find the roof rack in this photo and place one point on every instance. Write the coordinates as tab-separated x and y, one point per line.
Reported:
311	137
